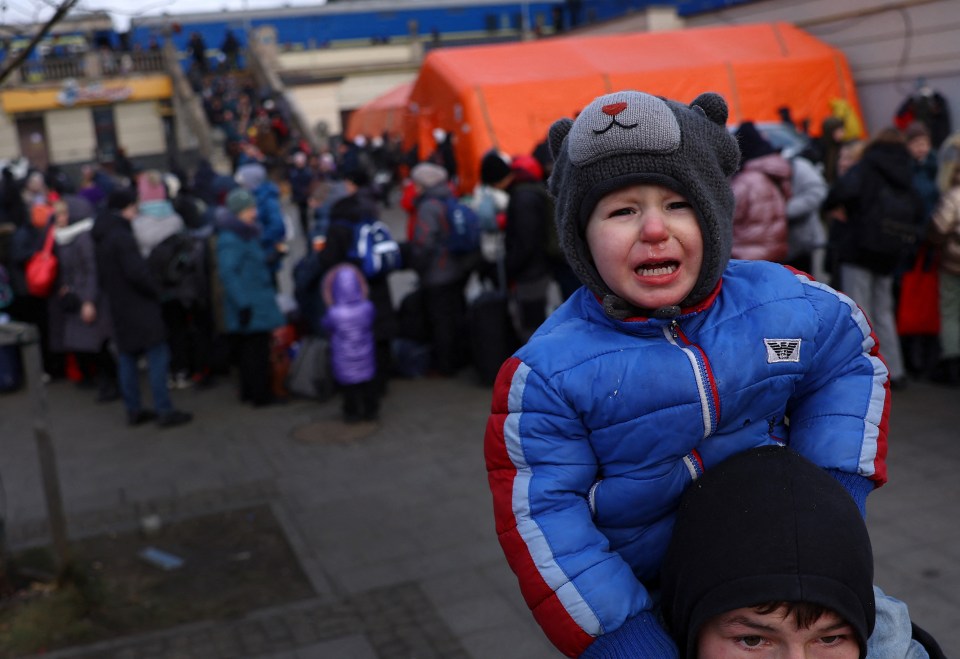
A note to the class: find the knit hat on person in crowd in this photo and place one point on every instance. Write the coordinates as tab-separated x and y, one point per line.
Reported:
358	176
916	129
752	143
766	526
428	175
239	200
494	167
121	198
526	168
628	138
150	186
251	175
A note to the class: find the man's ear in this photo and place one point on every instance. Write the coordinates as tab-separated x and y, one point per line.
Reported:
558	131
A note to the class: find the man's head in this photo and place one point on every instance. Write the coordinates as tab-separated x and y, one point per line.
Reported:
242	204
123	201
778	629
495	169
251	175
631	138
427	175
763	530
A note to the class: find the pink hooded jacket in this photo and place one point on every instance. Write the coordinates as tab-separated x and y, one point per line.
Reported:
761	190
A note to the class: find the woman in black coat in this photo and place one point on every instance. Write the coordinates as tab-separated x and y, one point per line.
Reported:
134	299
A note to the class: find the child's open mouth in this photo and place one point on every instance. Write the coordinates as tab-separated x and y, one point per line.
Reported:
657	269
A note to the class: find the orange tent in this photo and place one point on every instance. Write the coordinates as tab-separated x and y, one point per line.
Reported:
383	114
506	96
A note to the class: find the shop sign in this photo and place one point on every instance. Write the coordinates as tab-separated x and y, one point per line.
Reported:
73	93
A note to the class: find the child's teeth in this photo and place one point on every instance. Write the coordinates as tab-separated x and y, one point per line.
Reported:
658	270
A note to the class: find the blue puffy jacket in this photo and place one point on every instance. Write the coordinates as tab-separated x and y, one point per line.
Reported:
246	280
598	426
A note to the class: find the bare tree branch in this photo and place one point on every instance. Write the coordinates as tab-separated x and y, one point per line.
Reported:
17	60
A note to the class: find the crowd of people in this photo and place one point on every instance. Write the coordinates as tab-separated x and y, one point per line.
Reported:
806	210
859	213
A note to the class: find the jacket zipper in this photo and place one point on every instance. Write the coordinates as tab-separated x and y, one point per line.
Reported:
706	385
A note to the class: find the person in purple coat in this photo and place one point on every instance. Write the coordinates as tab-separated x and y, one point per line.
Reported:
349	323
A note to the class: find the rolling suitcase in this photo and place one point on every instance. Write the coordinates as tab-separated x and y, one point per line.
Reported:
492	335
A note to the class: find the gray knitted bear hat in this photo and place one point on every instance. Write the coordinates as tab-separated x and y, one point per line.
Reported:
627	138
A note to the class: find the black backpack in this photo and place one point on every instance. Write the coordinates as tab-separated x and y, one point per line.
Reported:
174	262
890	221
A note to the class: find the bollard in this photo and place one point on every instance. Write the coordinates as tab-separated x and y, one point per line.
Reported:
28	338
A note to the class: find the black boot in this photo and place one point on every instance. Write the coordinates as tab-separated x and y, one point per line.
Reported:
947	372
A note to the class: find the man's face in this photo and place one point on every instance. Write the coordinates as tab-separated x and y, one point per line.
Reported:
746	634
646	244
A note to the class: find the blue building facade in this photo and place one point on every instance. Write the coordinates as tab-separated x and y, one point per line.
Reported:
361	22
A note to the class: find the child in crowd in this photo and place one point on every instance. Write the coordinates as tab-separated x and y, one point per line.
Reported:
787	570
349	322
670	359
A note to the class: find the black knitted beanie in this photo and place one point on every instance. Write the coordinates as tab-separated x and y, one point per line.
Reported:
764	526
752	143
630	137
494	167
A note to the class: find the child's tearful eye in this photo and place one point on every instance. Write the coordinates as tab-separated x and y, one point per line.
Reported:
622	211
678	205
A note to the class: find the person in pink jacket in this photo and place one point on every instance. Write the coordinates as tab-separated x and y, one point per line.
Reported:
760	188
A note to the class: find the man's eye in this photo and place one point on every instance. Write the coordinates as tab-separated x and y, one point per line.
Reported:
836	639
750	641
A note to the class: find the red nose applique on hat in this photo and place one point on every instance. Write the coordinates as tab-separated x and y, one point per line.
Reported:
614	109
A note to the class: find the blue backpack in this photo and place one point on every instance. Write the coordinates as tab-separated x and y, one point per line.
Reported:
374	250
463	223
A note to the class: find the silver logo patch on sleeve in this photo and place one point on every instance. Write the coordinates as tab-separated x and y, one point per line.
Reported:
782	350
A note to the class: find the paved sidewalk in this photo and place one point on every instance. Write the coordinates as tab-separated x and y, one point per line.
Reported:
392	523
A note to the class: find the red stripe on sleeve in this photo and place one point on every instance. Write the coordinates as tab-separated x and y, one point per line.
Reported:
547	609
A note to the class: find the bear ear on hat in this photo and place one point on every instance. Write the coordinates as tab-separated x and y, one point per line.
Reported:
713	106
558	131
